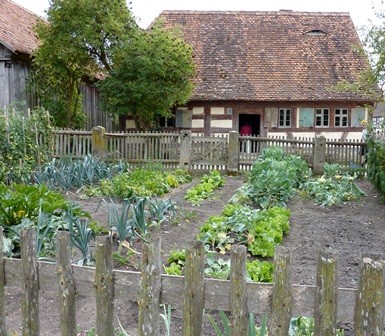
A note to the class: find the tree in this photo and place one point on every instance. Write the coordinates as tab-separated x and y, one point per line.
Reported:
152	73
79	41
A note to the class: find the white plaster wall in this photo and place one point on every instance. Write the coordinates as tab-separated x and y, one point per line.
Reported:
130	124
222	123
217	110
198	110
197	123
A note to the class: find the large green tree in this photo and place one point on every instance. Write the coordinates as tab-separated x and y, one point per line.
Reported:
152	73
78	41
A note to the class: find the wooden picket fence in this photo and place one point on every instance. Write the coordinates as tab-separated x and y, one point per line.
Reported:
191	293
204	153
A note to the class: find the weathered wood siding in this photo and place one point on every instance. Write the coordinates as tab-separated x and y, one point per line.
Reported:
13	80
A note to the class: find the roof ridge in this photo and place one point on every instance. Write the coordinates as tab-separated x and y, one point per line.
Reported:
281	11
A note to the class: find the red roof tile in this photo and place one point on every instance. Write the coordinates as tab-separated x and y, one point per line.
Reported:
270	56
16	28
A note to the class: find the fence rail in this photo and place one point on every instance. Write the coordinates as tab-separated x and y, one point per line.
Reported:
204	153
279	301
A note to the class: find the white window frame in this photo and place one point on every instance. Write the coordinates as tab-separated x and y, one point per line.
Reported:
286	113
322	117
341	114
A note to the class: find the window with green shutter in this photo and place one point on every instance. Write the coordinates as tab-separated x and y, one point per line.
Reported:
358	114
306	117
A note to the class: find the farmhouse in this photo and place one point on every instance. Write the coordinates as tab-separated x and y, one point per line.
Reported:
274	70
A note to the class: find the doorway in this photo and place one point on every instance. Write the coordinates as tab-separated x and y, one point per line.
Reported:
254	120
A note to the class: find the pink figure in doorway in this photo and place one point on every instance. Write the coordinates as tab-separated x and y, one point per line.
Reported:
246	129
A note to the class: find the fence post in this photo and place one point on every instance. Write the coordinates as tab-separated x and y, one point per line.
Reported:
194	290
104	287
150	288
99	141
326	295
185	150
238	292
30	306
369	309
282	301
319	153
233	153
66	285
3	331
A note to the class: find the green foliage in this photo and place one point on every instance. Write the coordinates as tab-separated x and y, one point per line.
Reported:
274	178
152	73
304	326
217	268
140	182
80	40
176	261
25	143
205	187
253	330
260	271
376	164
67	174
259	230
334	187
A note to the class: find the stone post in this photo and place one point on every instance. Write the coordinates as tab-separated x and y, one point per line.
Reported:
319	153
233	153
185	150
99	141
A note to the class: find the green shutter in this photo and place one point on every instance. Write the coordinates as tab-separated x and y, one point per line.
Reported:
306	117
358	114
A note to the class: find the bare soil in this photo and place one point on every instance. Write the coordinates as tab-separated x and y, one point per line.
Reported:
348	230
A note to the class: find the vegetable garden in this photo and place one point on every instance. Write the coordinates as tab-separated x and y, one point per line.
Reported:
140	204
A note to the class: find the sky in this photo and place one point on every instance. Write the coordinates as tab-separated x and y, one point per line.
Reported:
147	10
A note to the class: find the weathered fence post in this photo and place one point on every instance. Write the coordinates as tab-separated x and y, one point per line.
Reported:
282	301
99	141
66	285
238	293
185	150
30	305
194	290
319	152
369	309
233	153
104	286
3	331
150	288
326	295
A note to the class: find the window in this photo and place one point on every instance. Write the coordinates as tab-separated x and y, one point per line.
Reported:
322	117
284	117
341	117
167	122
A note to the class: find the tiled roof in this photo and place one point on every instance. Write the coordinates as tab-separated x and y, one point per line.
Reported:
272	56
16	28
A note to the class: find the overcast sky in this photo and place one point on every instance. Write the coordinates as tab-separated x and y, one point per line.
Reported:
147	10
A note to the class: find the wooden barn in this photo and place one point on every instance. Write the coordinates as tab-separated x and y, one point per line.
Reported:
18	41
275	71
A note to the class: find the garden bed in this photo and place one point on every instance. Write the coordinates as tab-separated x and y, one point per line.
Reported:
347	229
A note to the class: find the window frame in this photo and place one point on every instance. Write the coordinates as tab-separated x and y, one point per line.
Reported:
323	110
342	115
286	113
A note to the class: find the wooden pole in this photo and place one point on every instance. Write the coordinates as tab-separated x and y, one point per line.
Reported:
66	286
238	292
104	286
194	290
30	279
150	288
282	301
